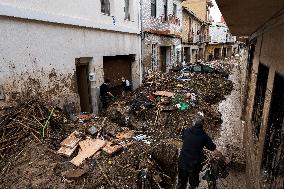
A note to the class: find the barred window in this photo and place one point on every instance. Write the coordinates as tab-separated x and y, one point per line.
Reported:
154	8
174	9
105	7
126	10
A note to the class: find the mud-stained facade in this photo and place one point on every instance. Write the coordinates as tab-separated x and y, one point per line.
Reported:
39	49
263	100
161	34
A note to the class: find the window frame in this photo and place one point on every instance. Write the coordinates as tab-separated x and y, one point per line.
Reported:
127	10
165	8
105	7
174	9
154	8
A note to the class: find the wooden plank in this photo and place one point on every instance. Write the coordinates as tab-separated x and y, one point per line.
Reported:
164	93
88	148
71	141
65	151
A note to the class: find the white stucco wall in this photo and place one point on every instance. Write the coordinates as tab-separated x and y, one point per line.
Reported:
83	13
37	58
219	33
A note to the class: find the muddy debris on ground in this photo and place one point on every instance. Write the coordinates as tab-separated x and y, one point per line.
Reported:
136	143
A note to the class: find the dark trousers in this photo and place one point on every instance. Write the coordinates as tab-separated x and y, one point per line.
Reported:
187	176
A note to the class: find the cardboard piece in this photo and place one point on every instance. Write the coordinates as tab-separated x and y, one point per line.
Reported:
88	148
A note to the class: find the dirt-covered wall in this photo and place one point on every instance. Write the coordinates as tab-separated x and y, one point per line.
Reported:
270	52
38	59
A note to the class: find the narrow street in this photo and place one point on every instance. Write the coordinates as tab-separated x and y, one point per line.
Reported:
127	94
230	142
230	139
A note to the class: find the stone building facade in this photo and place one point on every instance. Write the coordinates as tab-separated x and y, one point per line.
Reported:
161	34
62	50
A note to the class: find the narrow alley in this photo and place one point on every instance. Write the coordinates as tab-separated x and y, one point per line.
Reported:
142	94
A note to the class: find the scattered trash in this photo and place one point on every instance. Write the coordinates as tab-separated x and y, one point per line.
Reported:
144	138
182	106
157	111
87	149
92	130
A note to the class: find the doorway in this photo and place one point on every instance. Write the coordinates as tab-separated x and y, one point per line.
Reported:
83	84
187	54
217	53
163	59
116	67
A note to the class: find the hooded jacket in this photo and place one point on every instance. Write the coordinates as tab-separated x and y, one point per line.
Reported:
194	140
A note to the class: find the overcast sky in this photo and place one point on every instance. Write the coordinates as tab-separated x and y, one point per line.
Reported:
215	12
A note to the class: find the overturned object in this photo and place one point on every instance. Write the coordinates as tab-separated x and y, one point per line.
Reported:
88	148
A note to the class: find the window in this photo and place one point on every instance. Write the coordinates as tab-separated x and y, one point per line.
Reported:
105	7
126	10
174	9
273	154
165	9
154	8
259	98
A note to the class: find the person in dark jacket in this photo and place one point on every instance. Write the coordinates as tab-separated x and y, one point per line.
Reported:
191	155
105	93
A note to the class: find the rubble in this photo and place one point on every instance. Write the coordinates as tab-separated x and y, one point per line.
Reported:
87	149
139	138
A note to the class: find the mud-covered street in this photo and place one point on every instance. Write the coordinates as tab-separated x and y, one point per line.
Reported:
142	130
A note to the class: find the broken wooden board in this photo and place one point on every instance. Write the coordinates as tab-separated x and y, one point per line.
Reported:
125	135
72	140
88	148
164	93
65	151
111	148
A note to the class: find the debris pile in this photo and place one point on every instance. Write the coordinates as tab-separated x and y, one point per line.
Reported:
134	146
33	118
